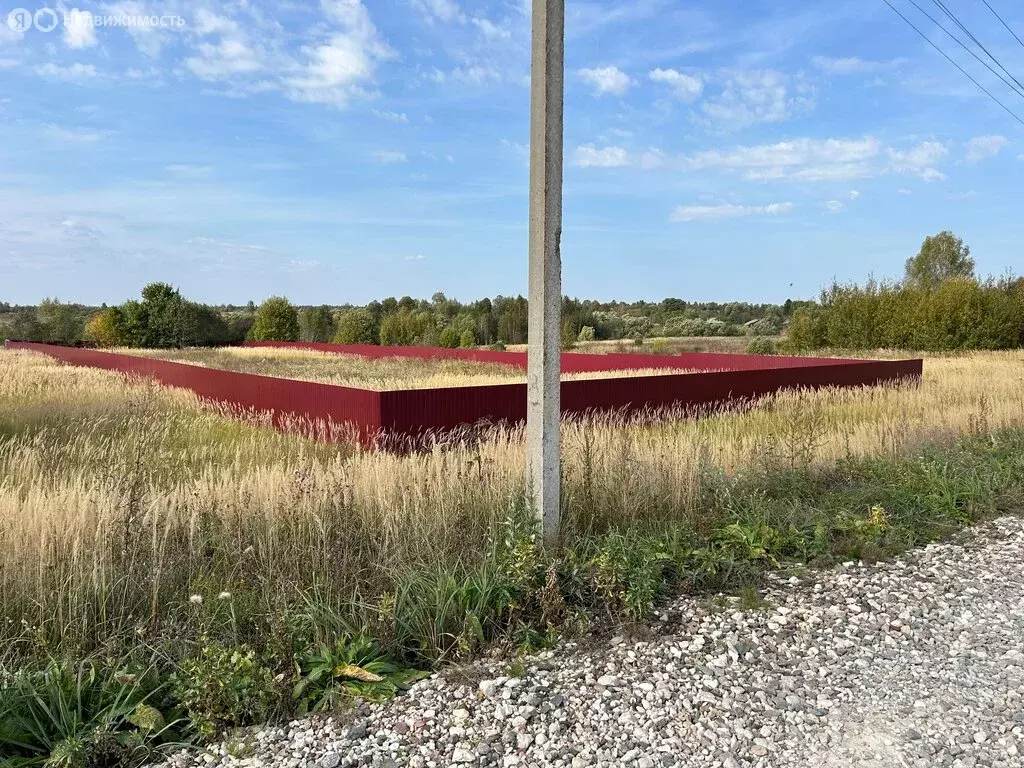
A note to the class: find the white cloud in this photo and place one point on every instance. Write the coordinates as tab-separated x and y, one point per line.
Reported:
7	34
78	29
78	229
150	40
209	23
832	206
653	159
442	10
805	160
852	65
223	60
336	71
589	156
416	257
606	80
920	160
801	159
982	147
388	156
853	194
490	30
757	96
727	211
685	87
230	56
476	75
71	135
186	171
906	192
73	73
392	117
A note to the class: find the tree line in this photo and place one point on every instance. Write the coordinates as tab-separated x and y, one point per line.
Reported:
940	305
163	318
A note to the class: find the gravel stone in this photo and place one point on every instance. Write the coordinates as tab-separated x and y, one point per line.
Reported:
915	663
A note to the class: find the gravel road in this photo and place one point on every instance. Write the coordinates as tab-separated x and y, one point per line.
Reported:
917	662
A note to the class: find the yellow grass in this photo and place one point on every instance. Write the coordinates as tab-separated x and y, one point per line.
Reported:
118	499
380	374
733	345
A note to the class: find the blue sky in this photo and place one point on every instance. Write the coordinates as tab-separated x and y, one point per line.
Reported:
340	151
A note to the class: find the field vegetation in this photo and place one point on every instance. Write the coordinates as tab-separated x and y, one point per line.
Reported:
940	305
353	371
163	318
167	573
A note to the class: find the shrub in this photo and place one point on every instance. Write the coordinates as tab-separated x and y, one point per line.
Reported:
316	324
59	714
467	339
408	328
61	322
103	329
351	667
761	346
276	320
357	326
224	687
569	336
587	333
807	330
448	338
957	314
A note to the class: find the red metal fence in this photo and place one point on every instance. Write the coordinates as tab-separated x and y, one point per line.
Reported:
572	362
404	413
283	398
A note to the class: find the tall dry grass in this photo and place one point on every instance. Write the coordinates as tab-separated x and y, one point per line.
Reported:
119	500
380	374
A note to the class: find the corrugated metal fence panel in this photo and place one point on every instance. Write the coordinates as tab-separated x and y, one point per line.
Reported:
572	362
415	411
374	352
282	397
412	412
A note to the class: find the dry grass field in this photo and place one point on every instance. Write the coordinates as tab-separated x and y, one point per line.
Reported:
119	500
353	371
736	345
157	552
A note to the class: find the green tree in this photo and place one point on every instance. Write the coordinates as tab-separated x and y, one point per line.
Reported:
512	319
357	326
160	303
808	330
569	335
316	324
942	257
449	337
60	322
104	328
467	339
405	329
25	326
276	320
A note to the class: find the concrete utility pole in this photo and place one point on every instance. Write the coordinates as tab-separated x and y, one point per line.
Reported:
543	407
